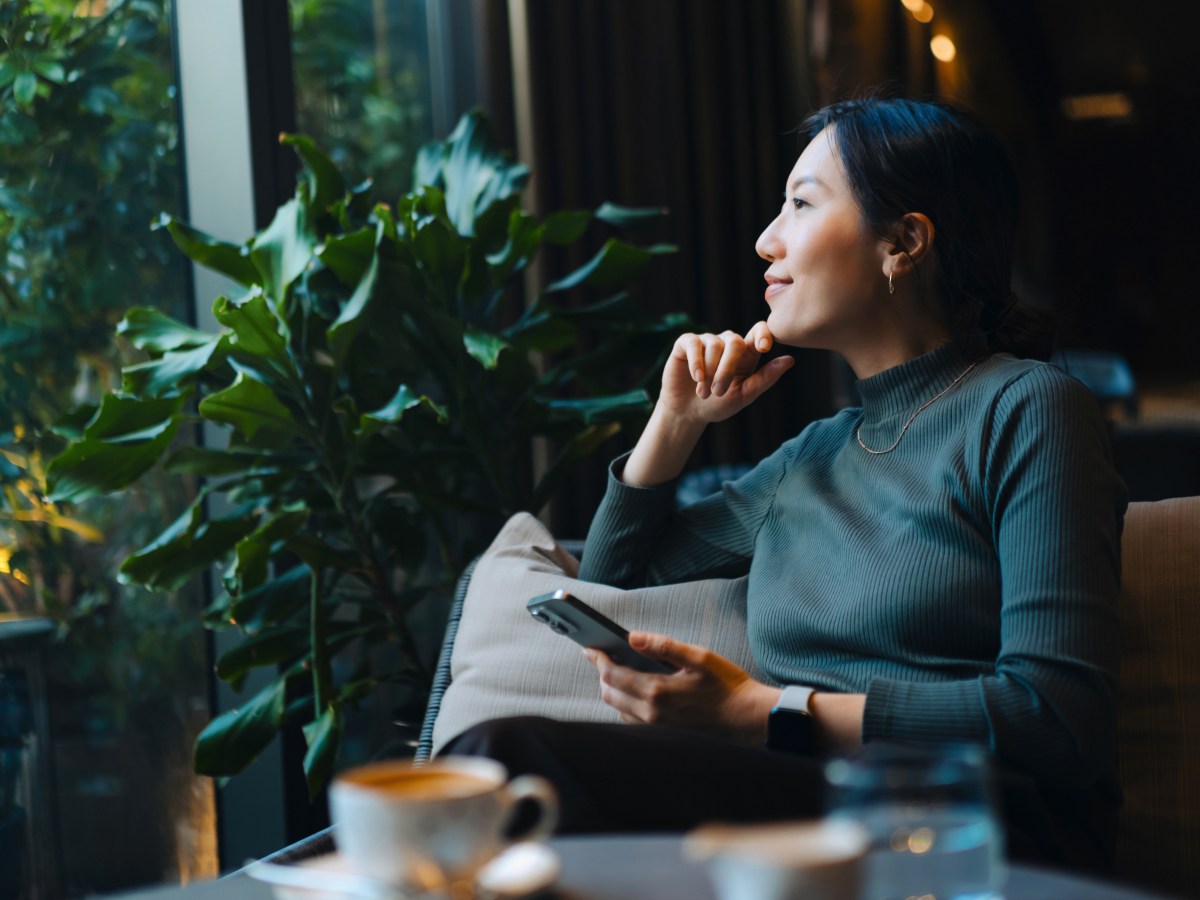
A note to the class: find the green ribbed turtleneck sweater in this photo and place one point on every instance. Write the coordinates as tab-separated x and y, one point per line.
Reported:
966	581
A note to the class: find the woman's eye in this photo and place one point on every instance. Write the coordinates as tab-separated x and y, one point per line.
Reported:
798	203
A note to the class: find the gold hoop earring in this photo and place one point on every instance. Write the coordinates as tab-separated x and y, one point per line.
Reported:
891	285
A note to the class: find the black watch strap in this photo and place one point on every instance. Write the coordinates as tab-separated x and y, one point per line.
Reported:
791	727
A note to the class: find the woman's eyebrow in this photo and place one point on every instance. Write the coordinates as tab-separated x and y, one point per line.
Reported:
806	179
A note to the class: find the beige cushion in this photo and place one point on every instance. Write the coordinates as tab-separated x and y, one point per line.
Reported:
505	664
1158	734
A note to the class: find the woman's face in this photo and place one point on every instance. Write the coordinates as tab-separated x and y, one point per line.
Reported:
827	279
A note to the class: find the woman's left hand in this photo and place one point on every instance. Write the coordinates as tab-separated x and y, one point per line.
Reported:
707	693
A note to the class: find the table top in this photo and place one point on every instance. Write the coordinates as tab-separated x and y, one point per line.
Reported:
630	867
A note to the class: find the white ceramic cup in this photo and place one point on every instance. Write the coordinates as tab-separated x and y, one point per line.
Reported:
817	860
432	825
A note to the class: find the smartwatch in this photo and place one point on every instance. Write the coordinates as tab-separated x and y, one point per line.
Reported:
791	726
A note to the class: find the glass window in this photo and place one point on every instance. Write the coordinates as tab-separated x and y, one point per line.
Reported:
362	79
105	706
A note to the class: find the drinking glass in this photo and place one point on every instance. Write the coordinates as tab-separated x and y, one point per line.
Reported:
932	820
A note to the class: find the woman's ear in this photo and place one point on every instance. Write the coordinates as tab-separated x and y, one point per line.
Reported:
910	241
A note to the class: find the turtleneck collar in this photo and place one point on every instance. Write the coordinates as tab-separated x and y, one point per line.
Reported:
900	390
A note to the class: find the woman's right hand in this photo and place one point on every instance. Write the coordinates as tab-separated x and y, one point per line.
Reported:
710	377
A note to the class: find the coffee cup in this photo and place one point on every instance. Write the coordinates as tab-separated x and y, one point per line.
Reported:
817	860
433	825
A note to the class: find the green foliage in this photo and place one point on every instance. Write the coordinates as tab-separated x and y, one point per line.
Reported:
88	154
380	385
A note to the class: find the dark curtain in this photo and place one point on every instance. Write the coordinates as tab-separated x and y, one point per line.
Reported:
683	104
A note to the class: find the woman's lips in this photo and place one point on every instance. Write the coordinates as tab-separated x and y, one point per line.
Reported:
774	286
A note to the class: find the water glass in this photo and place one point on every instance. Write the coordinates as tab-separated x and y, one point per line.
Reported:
931	816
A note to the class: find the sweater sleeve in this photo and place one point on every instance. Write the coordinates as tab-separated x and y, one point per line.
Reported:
1056	506
638	536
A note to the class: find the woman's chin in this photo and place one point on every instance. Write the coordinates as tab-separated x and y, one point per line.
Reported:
788	334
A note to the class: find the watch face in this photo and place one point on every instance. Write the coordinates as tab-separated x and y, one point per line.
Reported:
791	731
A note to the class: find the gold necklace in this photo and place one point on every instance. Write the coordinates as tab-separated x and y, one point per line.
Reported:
920	409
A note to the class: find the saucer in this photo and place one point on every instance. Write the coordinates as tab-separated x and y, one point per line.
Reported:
522	870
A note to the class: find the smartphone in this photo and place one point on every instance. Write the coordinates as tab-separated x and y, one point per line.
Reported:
567	615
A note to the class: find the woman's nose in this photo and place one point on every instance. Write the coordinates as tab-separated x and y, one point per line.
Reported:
768	245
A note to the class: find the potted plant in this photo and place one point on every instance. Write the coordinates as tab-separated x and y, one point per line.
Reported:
378	382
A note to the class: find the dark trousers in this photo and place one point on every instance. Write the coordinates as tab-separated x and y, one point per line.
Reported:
655	778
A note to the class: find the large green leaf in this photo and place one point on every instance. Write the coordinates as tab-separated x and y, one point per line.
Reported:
154	331
171	372
484	348
616	264
249	406
284	249
72	423
323	736
325	182
591	410
257	329
253	553
349	255
441	254
234	739
228	259
273	601
129	419
269	648
167	565
470	171
624	216
354	314
124	438
90	468
393	411
524	236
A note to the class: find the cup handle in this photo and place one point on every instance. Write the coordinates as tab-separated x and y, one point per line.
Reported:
541	791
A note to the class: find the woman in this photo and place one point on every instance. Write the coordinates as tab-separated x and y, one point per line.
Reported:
938	565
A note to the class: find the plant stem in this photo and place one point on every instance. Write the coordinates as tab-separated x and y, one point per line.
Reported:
322	675
382	578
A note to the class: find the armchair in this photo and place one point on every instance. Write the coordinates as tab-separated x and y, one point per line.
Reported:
1159	721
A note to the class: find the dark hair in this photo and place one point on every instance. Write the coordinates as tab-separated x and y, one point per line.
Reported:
927	156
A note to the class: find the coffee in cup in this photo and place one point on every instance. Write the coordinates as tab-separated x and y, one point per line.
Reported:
432	825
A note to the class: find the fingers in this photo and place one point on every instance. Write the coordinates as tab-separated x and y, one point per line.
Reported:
738	358
668	650
691	348
625	690
714	354
760	338
715	361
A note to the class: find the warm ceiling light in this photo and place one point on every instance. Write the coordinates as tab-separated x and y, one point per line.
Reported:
913	5
1117	106
942	47
923	13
